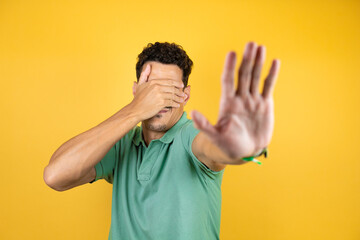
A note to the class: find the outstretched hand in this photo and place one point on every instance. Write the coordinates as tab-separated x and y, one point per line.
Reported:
246	117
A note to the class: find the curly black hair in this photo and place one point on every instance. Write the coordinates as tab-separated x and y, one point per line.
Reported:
166	53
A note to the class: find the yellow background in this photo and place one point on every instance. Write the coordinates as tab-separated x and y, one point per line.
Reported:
65	66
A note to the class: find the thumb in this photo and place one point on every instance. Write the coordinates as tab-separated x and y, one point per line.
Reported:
145	74
201	123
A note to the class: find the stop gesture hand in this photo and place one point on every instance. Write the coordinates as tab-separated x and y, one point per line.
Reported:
246	117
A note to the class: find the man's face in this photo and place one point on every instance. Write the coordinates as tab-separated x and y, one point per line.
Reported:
168	116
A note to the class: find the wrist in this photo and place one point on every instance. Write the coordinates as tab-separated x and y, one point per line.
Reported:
263	151
133	113
258	152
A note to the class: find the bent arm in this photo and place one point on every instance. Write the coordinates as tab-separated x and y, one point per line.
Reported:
72	164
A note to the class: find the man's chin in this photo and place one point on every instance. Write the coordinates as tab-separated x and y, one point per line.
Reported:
157	127
156	123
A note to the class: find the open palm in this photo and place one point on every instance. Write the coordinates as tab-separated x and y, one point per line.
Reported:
246	117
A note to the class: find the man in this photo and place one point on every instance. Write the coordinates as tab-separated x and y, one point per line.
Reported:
167	173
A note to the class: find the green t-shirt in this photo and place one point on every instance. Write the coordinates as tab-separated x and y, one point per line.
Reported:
161	191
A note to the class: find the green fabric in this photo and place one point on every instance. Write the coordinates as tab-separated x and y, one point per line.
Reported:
161	191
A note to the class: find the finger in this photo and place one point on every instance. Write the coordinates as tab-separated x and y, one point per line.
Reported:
227	77
245	70
145	74
271	78
259	62
201	123
173	97
167	82
172	90
171	103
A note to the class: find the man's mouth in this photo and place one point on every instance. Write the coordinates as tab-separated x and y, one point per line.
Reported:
166	109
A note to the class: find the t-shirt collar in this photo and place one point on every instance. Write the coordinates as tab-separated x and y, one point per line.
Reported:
167	137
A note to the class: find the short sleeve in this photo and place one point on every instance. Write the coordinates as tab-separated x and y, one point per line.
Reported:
105	168
188	134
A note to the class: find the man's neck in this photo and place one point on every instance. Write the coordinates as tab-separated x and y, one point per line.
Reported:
149	135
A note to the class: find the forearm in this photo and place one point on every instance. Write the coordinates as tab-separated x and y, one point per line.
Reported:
75	158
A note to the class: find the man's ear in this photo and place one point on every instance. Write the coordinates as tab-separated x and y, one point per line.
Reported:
187	92
134	88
